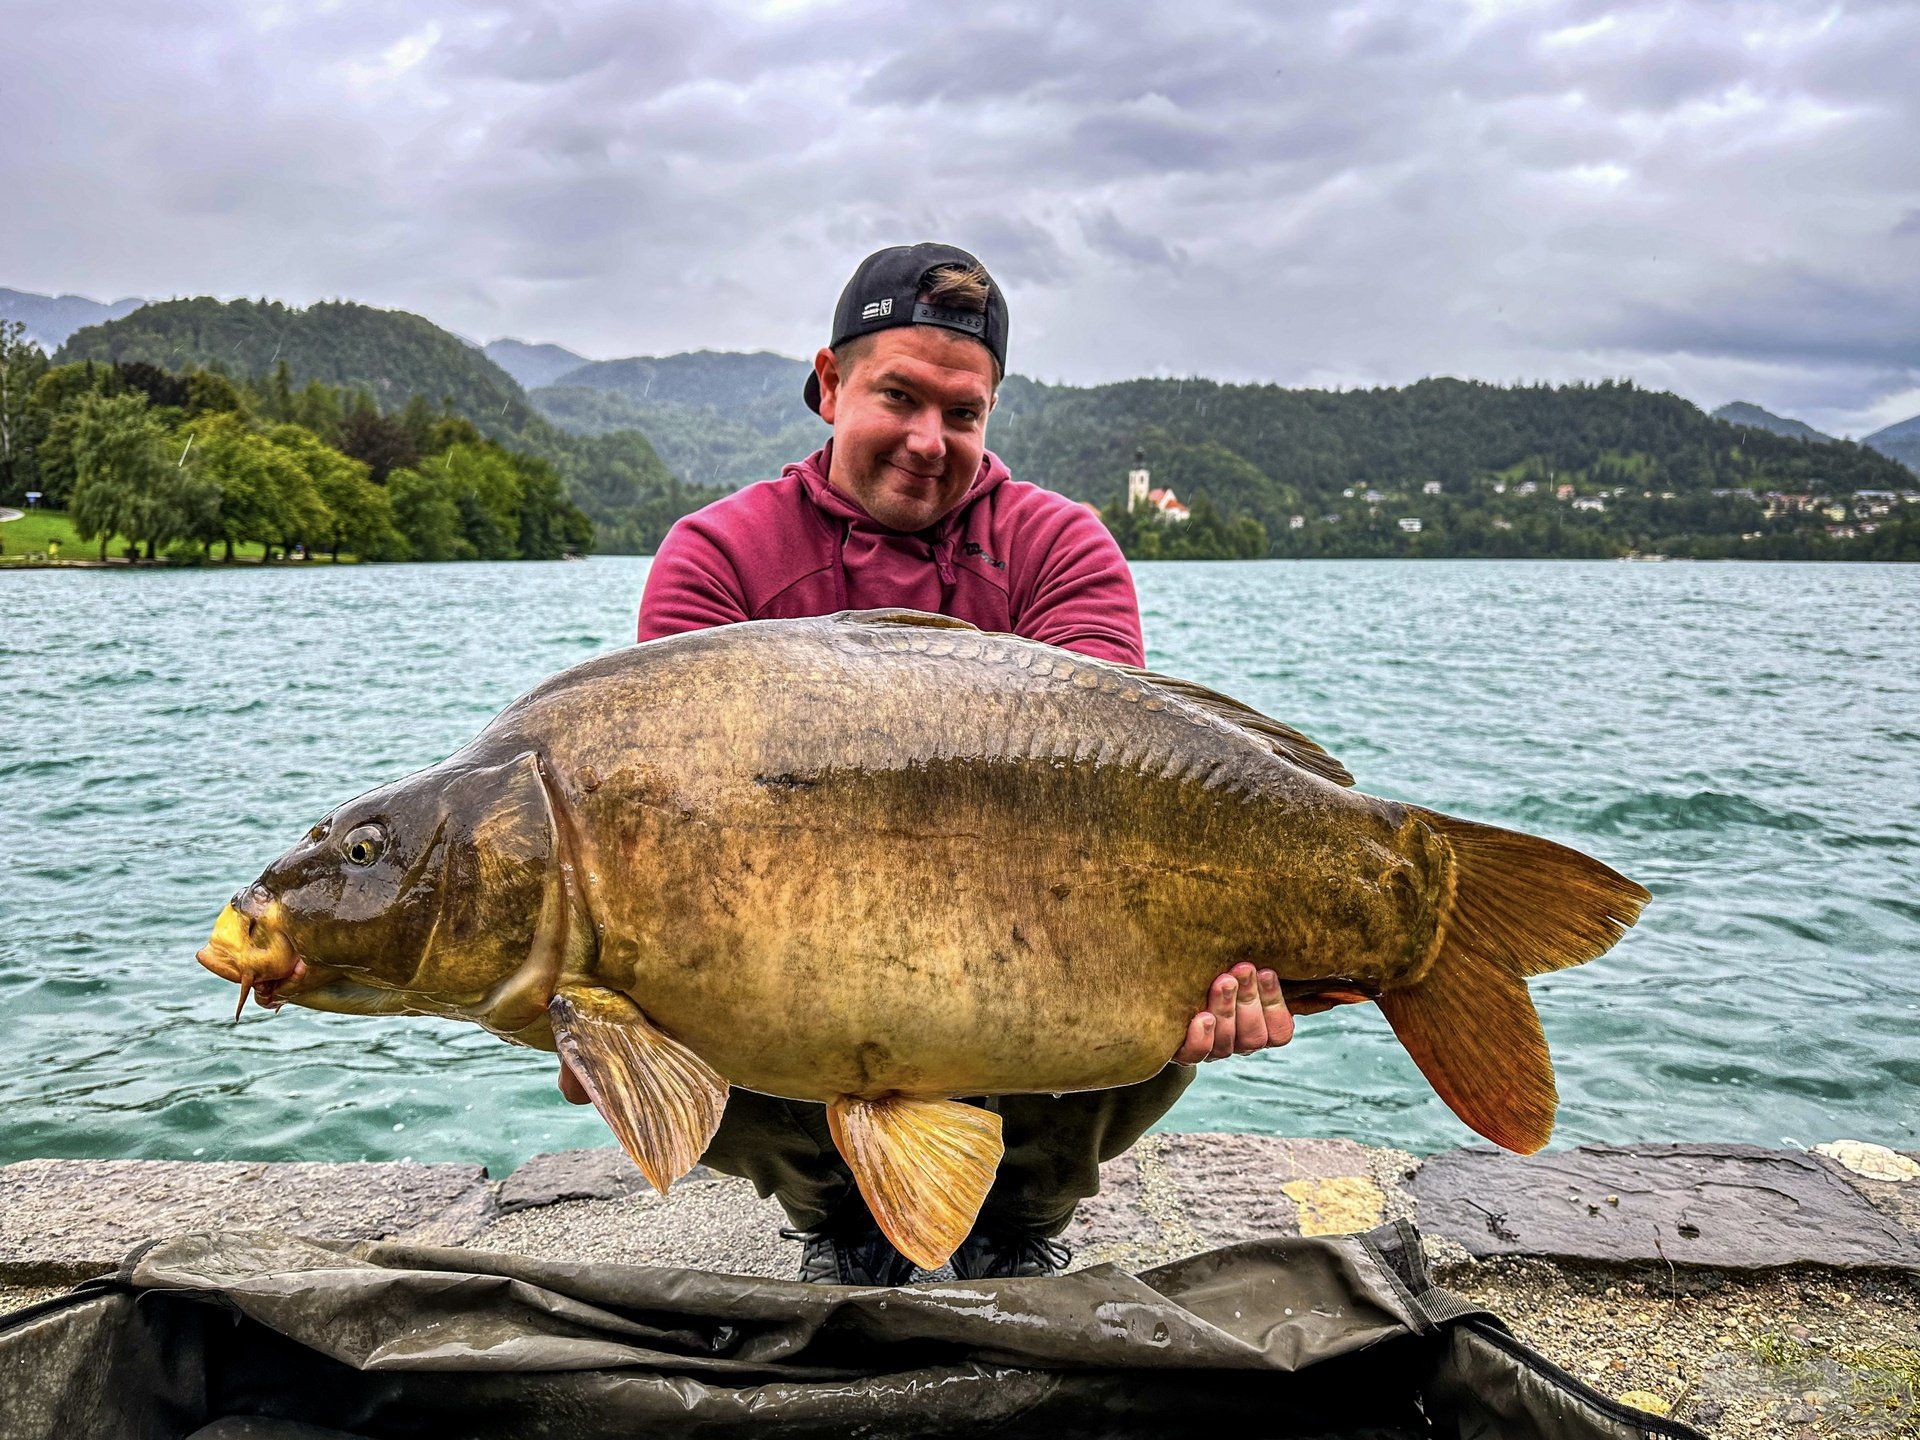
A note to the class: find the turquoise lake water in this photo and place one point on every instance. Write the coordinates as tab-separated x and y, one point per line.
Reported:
1742	739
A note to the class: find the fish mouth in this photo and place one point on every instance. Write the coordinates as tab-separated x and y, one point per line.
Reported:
255	952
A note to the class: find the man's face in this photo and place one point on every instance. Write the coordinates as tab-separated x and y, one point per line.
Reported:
909	422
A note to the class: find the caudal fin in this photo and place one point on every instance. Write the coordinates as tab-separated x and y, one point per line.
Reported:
1521	906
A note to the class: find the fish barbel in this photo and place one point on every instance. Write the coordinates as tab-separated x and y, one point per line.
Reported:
882	859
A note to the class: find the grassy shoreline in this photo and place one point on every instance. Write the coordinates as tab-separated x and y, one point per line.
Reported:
27	538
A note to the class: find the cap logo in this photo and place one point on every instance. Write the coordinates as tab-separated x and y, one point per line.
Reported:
874	309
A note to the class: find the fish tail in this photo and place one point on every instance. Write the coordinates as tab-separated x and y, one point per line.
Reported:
1521	906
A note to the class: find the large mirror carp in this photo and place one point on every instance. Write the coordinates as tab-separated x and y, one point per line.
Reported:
882	859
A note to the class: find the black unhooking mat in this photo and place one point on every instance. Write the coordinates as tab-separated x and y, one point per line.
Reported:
239	1336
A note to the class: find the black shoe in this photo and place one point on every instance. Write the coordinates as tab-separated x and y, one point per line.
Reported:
1003	1254
855	1255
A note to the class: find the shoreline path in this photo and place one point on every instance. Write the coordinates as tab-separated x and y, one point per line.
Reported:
1747	1291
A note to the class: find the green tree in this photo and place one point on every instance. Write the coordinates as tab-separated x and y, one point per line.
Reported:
550	526
279	397
21	421
265	493
64	386
486	488
209	393
359	513
427	515
121	469
319	408
382	443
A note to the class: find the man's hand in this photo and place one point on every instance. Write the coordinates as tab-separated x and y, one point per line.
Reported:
1242	1016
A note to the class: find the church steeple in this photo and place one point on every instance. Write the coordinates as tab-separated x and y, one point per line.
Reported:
1138	480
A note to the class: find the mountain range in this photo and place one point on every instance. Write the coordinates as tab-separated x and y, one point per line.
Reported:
716	417
532	365
50	319
1899	441
1741	412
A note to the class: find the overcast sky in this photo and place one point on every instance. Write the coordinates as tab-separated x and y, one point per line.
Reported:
1720	198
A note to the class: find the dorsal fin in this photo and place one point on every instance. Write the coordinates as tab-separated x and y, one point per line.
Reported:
901	616
1283	740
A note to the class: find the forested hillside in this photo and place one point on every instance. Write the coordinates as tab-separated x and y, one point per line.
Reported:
393	359
1442	467
389	354
716	418
1525	470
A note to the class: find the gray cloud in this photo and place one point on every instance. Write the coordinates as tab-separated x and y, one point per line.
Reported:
1718	197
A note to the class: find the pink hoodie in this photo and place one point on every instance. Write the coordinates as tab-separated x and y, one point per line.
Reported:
1010	557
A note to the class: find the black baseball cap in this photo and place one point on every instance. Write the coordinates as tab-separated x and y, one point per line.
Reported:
885	292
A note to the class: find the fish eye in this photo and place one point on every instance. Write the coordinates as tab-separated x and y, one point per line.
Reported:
365	844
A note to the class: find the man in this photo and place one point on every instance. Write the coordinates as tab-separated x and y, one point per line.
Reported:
905	506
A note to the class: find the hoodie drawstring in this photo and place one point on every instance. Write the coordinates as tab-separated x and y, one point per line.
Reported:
943	560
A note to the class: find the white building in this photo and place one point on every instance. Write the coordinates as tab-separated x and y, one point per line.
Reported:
1410	524
1432	487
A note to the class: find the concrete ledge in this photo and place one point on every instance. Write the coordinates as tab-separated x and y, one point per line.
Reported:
63	1221
1726	1206
1849	1205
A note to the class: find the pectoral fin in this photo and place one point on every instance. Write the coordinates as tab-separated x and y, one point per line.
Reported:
923	1167
660	1099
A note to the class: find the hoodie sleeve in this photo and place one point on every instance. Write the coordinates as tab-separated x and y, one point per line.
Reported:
691	586
1082	596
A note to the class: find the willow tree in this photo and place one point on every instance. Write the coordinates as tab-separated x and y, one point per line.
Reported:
121	465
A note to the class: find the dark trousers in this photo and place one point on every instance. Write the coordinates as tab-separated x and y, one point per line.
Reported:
1054	1150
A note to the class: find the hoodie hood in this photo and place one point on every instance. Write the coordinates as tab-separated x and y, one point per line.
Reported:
876	561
